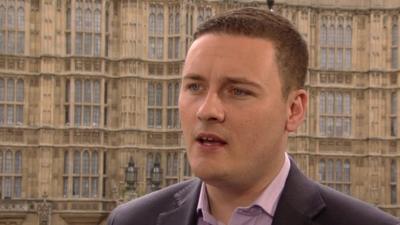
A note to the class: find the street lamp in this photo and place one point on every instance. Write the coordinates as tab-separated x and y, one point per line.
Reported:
156	176
270	3
131	175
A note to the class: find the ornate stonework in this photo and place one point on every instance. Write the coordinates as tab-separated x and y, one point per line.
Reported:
87	85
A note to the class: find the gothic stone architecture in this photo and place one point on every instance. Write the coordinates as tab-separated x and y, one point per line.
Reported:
89	86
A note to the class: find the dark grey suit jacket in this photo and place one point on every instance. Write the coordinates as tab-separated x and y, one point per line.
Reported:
303	202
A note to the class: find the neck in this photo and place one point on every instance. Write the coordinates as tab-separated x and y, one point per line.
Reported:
225	198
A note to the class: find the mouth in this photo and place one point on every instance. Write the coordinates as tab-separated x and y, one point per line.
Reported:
207	139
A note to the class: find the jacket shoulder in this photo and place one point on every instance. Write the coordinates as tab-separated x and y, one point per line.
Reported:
346	210
145	210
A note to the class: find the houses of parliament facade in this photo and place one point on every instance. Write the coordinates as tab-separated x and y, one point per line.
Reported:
89	89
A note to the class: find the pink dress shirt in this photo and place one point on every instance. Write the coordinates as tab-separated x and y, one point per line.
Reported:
260	212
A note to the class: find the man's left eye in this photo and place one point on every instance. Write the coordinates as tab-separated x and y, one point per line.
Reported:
239	92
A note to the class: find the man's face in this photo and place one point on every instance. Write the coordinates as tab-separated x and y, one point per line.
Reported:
232	111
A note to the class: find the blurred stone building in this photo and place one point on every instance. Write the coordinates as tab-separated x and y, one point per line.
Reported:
88	101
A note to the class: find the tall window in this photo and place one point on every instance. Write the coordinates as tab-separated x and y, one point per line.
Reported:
156	32
12	27
87	27
173	32
393	114
86	105
154	104
395	43
172	111
335	43
393	182
335	114
11	101
335	174
203	14
172	168
10	174
82	174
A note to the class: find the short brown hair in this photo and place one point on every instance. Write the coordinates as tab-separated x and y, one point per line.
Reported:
290	47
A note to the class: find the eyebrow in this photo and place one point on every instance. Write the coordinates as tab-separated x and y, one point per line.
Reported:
228	80
193	76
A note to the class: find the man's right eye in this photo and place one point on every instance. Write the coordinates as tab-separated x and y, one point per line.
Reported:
194	87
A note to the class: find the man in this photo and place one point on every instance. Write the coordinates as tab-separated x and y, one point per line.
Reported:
242	93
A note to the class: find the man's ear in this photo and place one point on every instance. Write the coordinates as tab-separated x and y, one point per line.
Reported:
297	105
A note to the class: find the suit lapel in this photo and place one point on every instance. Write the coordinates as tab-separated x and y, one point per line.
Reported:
300	200
186	201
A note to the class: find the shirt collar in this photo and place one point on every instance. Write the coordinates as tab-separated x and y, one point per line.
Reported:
268	200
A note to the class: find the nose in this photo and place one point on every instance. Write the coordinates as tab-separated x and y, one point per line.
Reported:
211	109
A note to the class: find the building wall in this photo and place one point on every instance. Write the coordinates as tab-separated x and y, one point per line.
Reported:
100	93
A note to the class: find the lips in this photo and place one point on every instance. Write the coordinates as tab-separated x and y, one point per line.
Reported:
209	139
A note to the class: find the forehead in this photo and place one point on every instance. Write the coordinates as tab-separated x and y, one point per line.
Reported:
235	45
230	54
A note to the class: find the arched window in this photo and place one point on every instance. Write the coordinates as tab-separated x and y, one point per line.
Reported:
96	91
348	36
347	171
159	95
170	94
88	20
338	170
2	17
175	165
18	162
152	23
330	103
20	90
10	90
170	22
87	91
347	104
21	19
331	36
66	162
95	163
85	163
78	43
97	24
340	36
78	20
324	35
160	23
150	94
8	162
395	43
150	164
1	163
177	88
177	22
338	103
329	170
77	163
395	31
11	17
393	171
322	171
169	164
78	91
68	19
2	89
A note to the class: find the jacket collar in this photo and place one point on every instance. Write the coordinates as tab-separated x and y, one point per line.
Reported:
186	201
300	201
